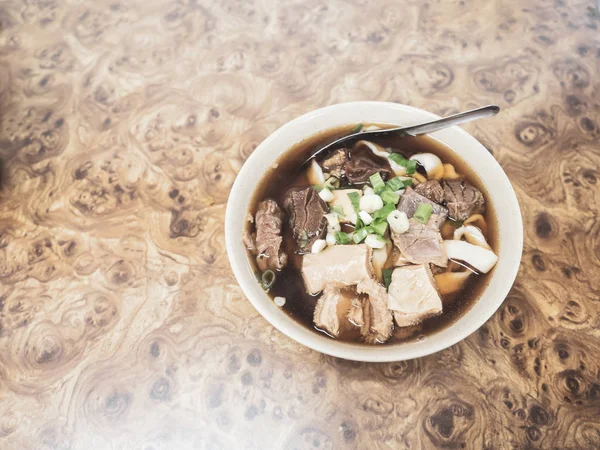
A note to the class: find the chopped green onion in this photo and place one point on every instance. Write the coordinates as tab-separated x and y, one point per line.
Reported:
377	182
410	164
407	182
378	226
317	188
390	197
357	128
268	279
355	200
342	238
394	184
303	239
423	212
359	235
338	209
387	276
332	183
398	159
385	211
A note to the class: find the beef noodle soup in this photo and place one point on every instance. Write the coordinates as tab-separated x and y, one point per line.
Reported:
380	242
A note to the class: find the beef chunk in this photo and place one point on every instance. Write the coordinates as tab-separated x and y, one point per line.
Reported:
413	295
333	309
410	201
356	314
340	266
376	317
334	163
306	210
266	242
462	199
433	190
422	243
364	164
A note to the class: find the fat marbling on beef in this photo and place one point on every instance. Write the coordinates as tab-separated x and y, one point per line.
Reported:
340	265
333	309
410	201
266	242
364	164
307	217
432	189
334	163
462	199
413	295
422	243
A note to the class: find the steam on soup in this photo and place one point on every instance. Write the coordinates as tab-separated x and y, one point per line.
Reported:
382	242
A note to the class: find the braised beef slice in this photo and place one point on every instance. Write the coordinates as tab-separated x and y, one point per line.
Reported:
433	190
422	243
334	163
462	199
333	309
364	164
266	242
306	211
410	201
376	317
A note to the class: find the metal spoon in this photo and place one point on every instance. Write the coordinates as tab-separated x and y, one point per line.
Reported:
413	130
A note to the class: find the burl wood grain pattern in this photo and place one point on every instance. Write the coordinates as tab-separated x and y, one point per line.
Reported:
123	125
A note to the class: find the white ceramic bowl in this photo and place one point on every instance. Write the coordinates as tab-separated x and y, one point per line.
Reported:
510	227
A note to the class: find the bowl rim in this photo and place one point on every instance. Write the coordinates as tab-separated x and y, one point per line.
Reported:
360	352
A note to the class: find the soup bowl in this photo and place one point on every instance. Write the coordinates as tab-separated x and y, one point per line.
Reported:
483	164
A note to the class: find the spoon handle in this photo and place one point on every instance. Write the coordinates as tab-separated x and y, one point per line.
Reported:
415	130
438	124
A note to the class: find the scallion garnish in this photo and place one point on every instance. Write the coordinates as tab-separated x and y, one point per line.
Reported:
387	276
359	235
410	164
317	188
355	200
390	197
377	182
338	209
267	279
407	182
342	238
385	211
398	159
394	184
378	226
357	128
332	183
423	212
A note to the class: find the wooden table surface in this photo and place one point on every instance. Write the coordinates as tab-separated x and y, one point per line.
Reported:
123	127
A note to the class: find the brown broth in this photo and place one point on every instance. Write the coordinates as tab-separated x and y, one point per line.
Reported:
285	173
